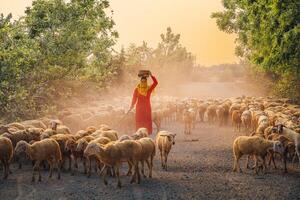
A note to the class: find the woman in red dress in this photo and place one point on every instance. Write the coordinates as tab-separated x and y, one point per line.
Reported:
141	97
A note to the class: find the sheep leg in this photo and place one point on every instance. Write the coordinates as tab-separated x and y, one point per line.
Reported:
264	164
298	152
137	172
101	170
84	166
5	169
117	170
133	177
129	169
247	162
75	165
234	165
166	159
70	163
57	163
142	162
104	175
273	160
284	161
36	165
51	167
90	167
161	159
149	167
238	165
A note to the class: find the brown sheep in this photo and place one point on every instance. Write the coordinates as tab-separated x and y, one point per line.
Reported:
6	154
45	150
221	115
71	145
61	139
211	113
112	154
34	123
148	153
236	120
253	145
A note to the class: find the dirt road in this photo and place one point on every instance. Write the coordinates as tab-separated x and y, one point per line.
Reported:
201	169
197	170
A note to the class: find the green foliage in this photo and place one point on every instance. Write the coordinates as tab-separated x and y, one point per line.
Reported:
168	58
49	45
268	34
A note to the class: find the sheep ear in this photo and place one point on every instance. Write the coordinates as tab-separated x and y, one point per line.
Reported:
164	134
169	138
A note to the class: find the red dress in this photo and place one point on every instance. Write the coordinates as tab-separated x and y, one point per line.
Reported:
143	114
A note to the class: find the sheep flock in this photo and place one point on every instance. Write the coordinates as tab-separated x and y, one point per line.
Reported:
102	139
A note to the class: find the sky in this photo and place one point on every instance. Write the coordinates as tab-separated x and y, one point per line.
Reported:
145	20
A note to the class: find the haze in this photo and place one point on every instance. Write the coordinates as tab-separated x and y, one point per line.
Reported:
139	20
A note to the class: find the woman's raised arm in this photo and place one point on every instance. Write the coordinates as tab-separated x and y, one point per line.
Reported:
154	84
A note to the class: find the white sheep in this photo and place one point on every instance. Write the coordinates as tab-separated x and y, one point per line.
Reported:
291	135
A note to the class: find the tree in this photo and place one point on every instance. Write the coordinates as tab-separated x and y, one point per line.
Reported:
49	46
268	33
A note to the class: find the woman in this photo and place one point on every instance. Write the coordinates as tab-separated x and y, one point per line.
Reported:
141	97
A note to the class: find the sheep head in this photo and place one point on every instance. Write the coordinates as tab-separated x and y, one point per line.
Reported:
81	144
171	138
278	147
21	147
70	145
53	125
4	129
91	149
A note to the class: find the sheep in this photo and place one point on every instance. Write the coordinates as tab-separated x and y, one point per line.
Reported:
125	137
111	134
101	140
141	133
61	139
34	123
104	127
201	110
60	129
47	133
221	115
148	153
291	135
157	119
4	129
6	154
164	141
71	145
112	154
44	150
91	129
286	144
34	134
262	124
246	120
17	125
188	119
236	120
17	136
253	145
211	113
